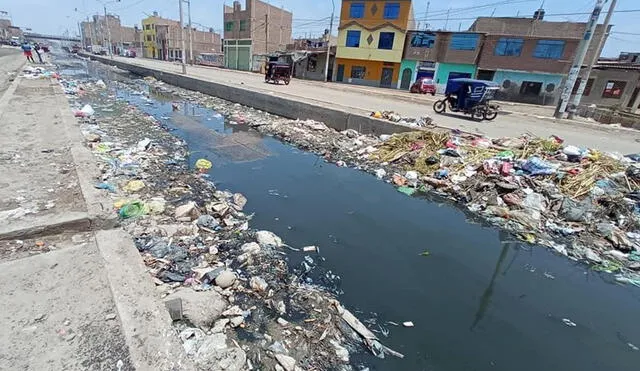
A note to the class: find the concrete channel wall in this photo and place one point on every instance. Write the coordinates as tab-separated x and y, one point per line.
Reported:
285	107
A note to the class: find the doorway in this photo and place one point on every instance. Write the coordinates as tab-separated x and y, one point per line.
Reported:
406	78
486	75
387	77
340	76
632	100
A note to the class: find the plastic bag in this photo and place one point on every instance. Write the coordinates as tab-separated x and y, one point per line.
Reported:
88	111
134	186
537	166
203	164
412	177
407	190
380	173
132	210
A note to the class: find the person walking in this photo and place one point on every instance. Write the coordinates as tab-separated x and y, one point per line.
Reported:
26	48
36	47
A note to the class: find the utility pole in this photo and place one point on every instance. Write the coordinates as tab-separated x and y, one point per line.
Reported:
446	23
579	59
190	33
81	36
584	74
106	20
184	65
426	16
326	65
266	33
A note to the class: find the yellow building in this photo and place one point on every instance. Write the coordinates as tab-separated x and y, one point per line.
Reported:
149	37
371	41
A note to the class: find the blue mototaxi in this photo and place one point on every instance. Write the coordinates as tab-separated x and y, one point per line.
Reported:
471	97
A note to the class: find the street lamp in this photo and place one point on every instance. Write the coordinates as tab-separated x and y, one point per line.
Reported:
326	66
106	20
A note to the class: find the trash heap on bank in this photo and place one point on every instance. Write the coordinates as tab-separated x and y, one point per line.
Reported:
583	203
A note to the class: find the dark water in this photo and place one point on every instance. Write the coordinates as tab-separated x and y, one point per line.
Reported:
479	301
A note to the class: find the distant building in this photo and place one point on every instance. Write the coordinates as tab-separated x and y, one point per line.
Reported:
614	83
256	31
309	57
8	31
371	38
97	31
439	55
162	39
530	57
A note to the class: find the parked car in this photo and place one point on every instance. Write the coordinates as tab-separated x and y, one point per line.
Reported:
424	85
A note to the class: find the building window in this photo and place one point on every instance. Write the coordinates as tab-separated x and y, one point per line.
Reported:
353	39
386	40
312	63
530	88
229	26
391	11
423	40
549	49
147	27
243	25
356	10
464	41
149	38
614	89
509	47
587	88
358	72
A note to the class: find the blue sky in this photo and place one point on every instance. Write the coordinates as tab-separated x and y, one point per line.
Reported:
311	17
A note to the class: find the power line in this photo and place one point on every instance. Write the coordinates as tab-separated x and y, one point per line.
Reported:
546	15
473	8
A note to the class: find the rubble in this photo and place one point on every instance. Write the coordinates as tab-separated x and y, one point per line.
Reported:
201	308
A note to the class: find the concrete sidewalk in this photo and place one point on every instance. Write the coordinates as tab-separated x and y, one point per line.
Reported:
356	101
75	292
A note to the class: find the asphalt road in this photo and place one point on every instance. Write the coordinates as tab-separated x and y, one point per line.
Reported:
365	100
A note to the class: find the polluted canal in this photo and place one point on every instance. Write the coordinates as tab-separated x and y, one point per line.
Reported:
477	298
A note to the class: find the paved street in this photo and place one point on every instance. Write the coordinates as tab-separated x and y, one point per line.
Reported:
10	60
365	100
66	290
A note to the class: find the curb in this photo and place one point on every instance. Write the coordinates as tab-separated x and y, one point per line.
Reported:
147	327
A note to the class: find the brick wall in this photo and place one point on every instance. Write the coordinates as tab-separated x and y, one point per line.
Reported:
234	14
278	27
528	27
526	61
448	55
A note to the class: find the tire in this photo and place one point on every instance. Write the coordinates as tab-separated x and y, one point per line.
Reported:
440	106
477	114
490	114
286	82
433	94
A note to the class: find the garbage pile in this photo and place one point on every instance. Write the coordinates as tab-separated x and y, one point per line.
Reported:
30	73
581	202
233	297
424	121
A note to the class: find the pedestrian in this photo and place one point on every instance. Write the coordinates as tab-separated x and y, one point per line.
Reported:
36	47
26	48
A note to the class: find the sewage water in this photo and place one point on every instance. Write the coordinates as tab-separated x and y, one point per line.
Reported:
479	300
